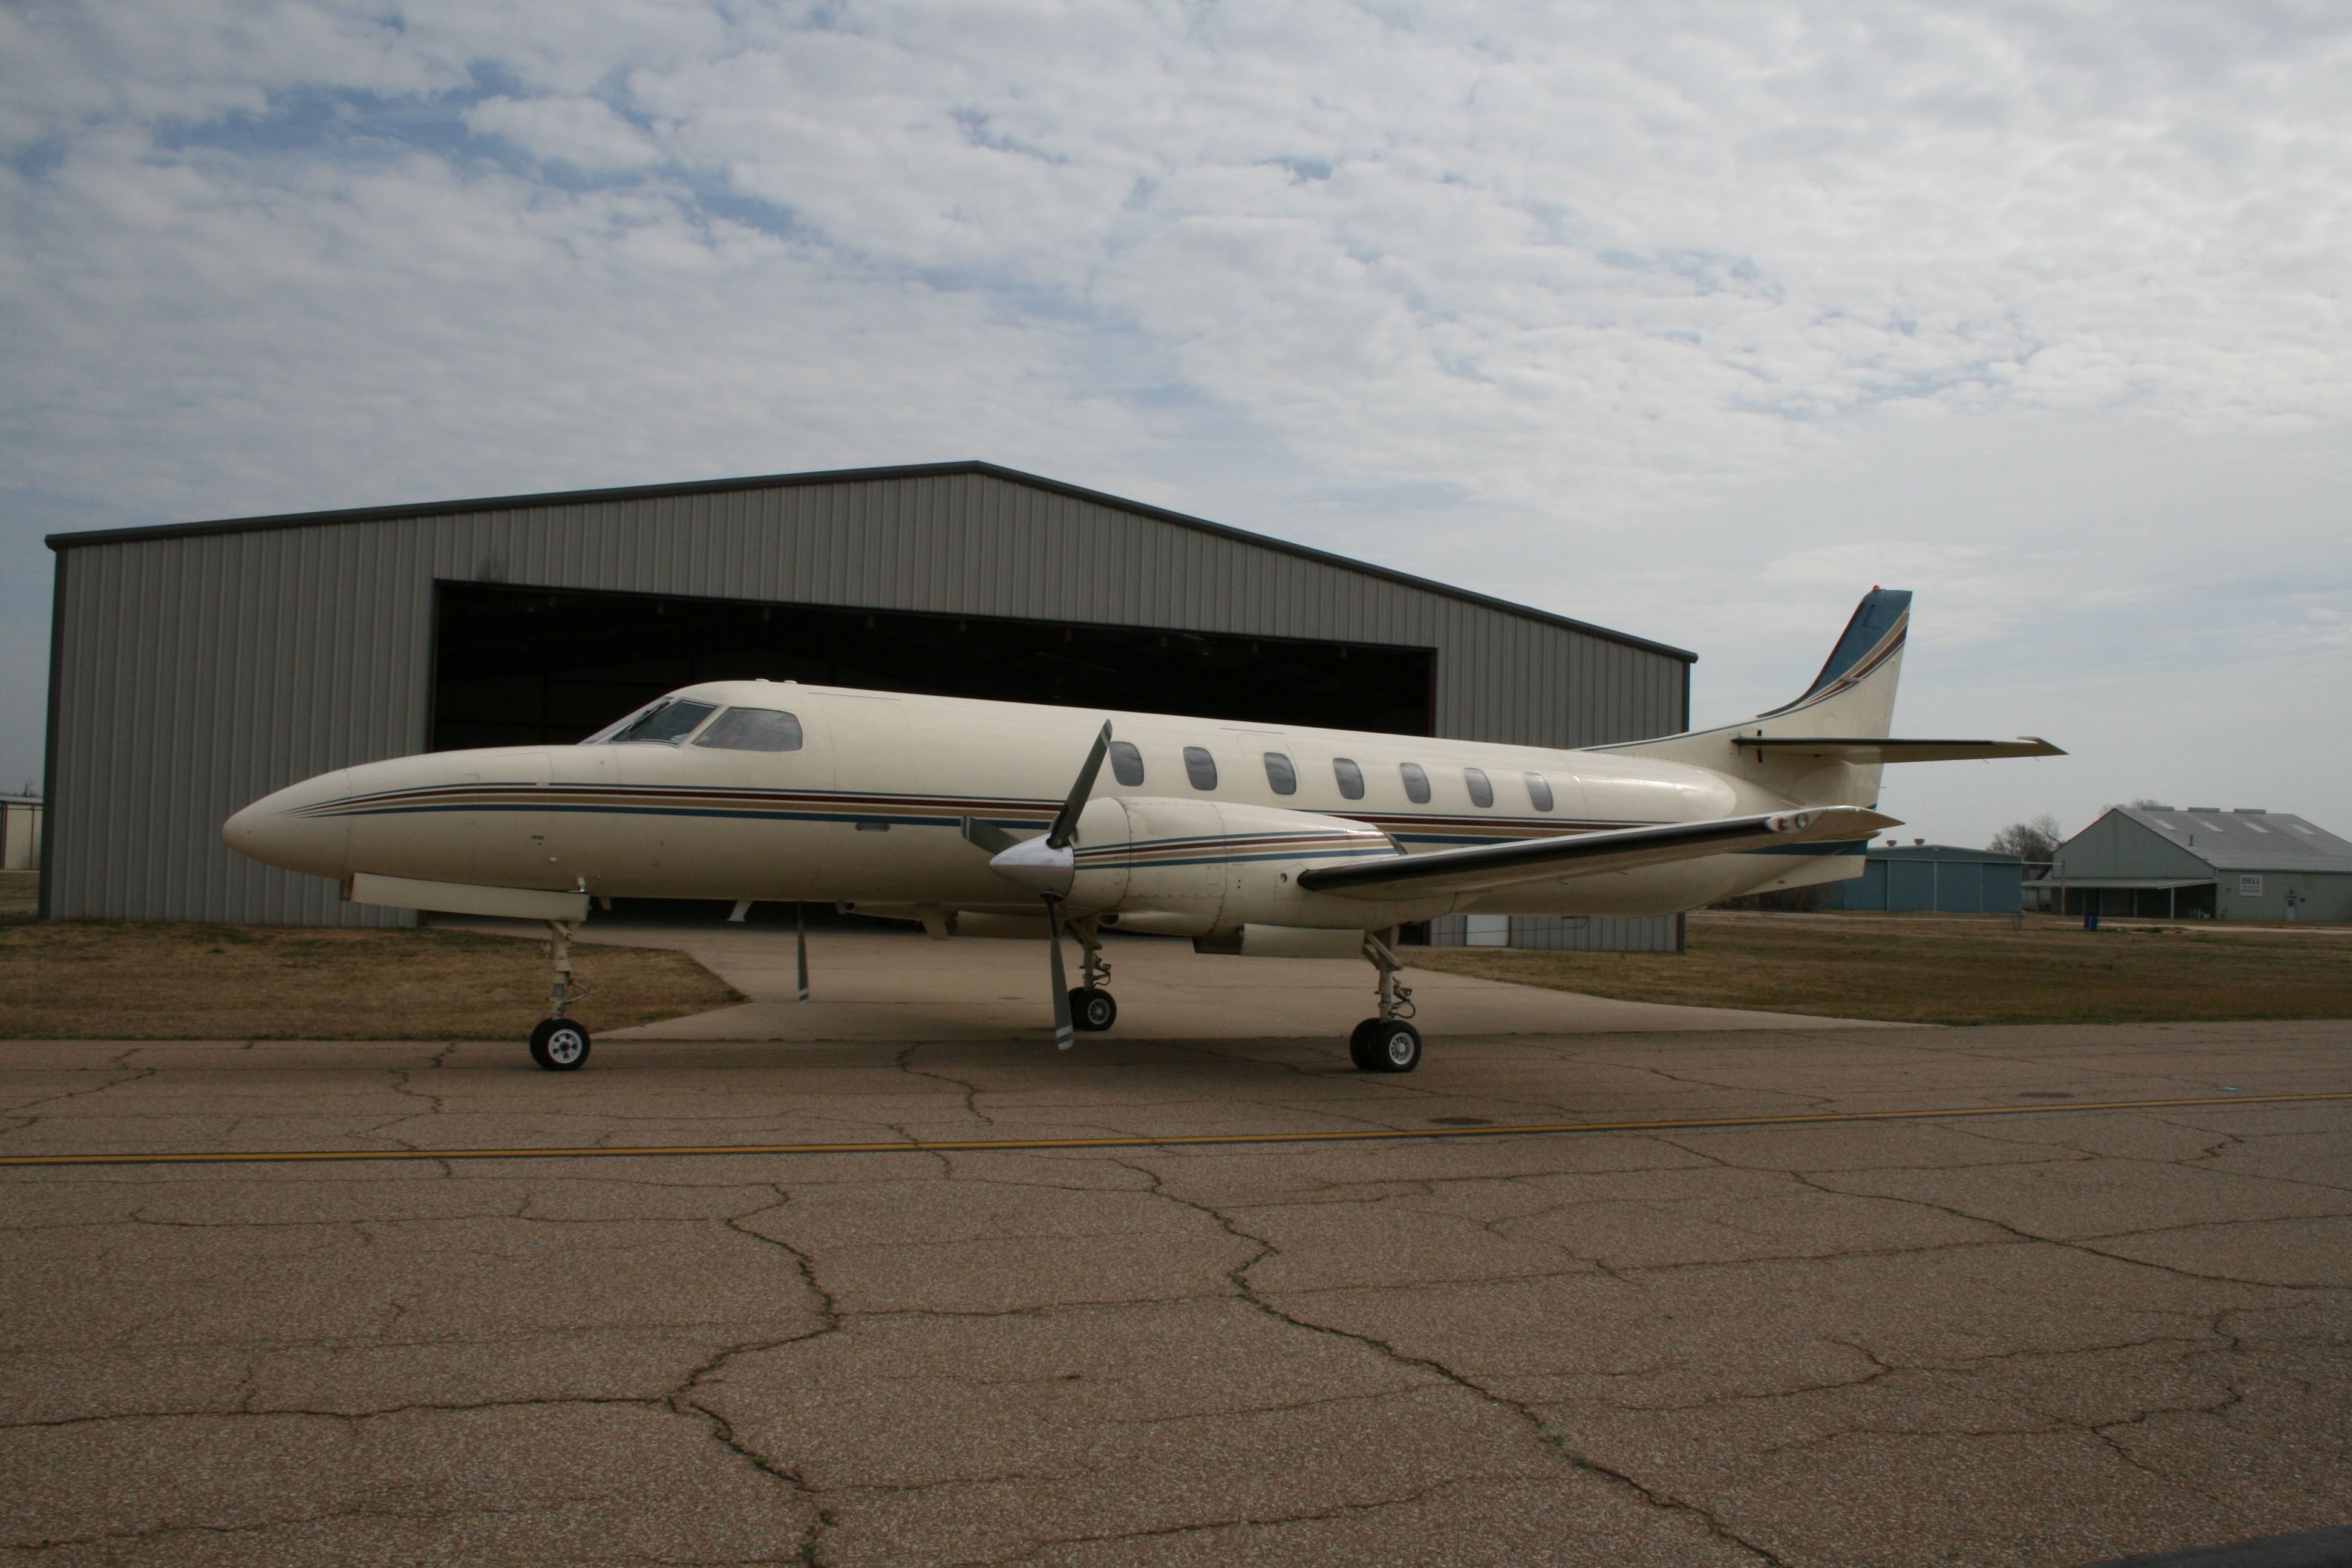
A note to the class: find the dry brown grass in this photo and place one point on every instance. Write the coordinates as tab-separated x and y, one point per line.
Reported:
20	894
1954	970
103	980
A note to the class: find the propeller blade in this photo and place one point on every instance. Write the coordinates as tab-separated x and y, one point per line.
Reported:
988	836
800	941
1065	825
1064	1032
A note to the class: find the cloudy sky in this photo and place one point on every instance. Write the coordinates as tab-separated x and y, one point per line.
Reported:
1695	319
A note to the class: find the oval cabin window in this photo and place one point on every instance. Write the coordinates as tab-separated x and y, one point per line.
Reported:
1125	764
1416	783
1280	776
1351	777
1200	767
1482	793
1539	792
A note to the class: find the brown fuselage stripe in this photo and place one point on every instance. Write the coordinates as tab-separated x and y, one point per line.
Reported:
984	1145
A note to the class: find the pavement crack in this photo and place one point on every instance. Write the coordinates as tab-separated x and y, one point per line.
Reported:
1238	1276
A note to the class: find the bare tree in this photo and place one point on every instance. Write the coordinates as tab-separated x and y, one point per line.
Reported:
2036	841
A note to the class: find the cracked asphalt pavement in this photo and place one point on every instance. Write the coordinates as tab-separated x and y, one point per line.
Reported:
2038	1339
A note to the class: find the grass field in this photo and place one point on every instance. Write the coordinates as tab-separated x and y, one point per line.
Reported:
103	980
1954	969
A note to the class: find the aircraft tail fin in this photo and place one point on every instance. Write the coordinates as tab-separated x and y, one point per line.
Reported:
1852	699
1854	693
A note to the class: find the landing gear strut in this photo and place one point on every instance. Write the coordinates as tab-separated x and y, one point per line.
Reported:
557	1043
1092	1007
1388	1043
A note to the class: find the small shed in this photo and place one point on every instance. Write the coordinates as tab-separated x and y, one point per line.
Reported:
2245	864
20	832
1931	878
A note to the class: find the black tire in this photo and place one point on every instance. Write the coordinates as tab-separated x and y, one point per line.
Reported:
559	1045
1359	1049
1092	1010
1393	1048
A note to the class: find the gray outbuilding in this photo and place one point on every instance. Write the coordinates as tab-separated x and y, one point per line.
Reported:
2238	864
194	668
1930	877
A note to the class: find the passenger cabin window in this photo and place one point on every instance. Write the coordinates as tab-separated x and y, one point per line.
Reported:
1279	775
1351	777
1481	791
1416	783
1200	767
753	730
1126	763
1539	792
665	725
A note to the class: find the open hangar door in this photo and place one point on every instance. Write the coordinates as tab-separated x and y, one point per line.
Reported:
547	666
516	666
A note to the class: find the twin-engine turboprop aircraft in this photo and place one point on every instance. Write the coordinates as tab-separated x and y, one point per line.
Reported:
1267	840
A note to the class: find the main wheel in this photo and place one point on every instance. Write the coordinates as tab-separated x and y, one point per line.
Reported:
1092	1010
1392	1047
1359	1046
559	1045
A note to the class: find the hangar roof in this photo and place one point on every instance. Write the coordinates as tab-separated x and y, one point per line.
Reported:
63	542
2247	840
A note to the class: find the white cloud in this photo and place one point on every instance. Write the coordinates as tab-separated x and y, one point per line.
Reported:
1690	318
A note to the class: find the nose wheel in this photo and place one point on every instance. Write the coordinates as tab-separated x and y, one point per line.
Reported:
558	1044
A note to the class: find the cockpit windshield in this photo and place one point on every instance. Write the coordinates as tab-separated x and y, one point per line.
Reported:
665	723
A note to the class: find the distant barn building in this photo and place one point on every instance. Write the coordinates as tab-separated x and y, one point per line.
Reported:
2242	865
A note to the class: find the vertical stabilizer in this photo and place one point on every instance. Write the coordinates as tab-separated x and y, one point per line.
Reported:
1853	697
1854	693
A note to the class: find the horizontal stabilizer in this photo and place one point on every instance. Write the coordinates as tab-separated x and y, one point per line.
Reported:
1866	749
1488	866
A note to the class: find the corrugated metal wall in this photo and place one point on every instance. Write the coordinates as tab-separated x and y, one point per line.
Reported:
199	671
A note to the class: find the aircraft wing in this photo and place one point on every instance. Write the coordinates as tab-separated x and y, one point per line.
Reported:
1864	749
1567	856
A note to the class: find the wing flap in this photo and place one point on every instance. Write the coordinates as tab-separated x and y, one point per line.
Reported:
1484	867
1866	749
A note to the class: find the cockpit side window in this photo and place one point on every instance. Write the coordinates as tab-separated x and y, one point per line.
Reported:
666	724
753	730
1125	764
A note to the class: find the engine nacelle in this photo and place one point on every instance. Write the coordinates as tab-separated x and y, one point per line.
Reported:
1201	868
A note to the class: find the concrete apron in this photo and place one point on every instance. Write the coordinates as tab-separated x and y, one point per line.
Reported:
885	985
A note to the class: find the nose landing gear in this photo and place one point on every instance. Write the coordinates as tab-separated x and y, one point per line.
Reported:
1388	1043
558	1044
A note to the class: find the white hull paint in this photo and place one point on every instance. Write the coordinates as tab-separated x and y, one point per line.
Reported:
868	811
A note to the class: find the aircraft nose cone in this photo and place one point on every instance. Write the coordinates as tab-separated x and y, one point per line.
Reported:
290	830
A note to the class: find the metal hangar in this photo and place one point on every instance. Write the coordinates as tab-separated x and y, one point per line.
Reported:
197	667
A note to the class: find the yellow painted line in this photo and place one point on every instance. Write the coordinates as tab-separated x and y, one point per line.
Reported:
1169	1141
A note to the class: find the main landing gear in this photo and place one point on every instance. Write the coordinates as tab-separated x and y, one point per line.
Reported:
1092	1007
558	1044
1388	1043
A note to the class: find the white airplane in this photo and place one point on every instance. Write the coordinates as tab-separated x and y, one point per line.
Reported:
1271	839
